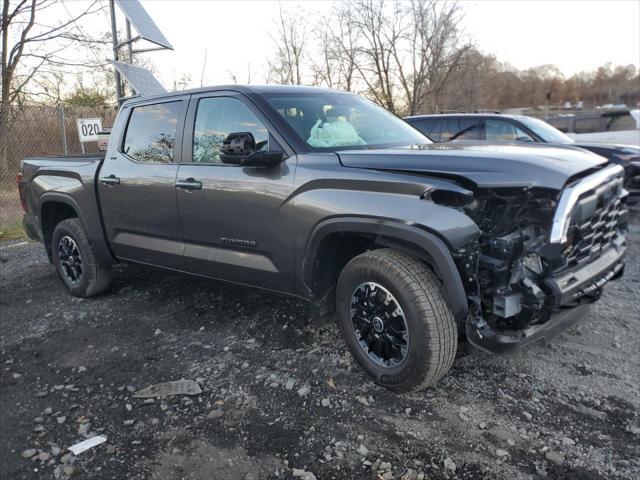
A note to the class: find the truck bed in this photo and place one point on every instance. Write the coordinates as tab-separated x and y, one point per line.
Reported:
59	182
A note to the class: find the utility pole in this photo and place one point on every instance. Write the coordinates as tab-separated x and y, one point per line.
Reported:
129	46
114	38
140	80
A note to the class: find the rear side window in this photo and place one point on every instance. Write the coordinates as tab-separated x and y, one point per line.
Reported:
425	125
450	127
151	132
469	130
435	130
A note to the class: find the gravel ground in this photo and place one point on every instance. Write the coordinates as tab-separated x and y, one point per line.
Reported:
281	397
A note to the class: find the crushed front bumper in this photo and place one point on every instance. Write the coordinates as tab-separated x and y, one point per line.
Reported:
494	341
570	287
573	291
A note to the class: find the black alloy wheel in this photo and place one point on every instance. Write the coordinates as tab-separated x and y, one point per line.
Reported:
70	260
379	324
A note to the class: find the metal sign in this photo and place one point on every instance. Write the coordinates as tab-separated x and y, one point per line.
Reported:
88	129
140	79
142	22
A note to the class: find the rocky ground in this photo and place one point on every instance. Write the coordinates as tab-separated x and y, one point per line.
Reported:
281	397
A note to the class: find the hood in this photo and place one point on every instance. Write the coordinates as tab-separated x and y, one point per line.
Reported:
630	149
486	165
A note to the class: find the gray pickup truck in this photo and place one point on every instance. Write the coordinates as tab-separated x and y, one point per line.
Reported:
325	196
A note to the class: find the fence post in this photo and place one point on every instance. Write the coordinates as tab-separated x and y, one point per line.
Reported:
64	130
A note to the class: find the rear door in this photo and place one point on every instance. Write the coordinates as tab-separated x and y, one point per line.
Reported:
236	220
136	184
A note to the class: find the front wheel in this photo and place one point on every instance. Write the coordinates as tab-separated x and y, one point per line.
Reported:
78	268
395	320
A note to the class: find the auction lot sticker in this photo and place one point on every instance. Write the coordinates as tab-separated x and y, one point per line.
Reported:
88	129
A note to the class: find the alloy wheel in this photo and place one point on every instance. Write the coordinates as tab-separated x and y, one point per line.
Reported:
379	324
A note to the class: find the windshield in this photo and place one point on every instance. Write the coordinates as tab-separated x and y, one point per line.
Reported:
338	121
545	131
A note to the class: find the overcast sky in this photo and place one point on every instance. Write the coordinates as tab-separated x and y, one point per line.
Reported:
574	35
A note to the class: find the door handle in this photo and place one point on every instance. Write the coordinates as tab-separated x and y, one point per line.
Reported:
111	180
189	184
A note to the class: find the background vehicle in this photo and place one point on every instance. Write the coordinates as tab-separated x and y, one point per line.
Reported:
326	196
519	128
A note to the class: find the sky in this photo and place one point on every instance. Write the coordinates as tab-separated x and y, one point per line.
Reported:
574	35
236	36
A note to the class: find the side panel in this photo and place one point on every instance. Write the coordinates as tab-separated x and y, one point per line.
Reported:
71	183
237	226
329	197
139	212
396	234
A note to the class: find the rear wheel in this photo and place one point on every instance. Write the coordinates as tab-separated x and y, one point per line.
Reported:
395	320
78	268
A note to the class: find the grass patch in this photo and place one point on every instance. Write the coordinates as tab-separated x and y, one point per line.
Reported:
12	231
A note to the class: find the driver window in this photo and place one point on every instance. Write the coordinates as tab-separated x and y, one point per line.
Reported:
218	117
502	131
522	136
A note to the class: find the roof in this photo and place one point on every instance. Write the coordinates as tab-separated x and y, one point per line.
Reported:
246	89
470	115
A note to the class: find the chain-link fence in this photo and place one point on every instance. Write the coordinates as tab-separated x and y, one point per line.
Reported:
39	131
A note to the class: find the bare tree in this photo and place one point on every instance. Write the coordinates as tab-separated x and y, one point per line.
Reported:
346	48
234	77
323	66
401	53
377	29
287	67
336	37
31	47
432	50
182	82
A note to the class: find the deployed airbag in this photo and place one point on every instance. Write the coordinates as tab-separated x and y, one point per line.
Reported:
337	133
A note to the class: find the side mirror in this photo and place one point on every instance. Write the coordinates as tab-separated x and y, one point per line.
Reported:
239	148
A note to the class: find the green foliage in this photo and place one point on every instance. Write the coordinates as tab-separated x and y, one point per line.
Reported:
12	230
88	97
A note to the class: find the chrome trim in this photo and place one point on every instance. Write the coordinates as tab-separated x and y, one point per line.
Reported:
570	196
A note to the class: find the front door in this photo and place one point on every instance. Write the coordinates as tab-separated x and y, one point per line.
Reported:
236	222
137	188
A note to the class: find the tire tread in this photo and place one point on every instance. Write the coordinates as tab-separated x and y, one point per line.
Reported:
425	292
100	273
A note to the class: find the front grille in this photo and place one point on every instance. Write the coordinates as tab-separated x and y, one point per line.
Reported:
598	218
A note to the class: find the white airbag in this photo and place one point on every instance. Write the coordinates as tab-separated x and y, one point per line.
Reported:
337	133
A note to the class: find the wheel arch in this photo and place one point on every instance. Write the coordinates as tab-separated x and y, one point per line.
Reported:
54	207
335	241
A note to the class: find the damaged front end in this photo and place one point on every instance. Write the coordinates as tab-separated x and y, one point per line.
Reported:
542	257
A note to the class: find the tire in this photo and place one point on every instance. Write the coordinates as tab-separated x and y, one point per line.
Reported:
92	277
430	331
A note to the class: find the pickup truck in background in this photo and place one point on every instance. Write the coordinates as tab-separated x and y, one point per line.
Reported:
325	196
498	128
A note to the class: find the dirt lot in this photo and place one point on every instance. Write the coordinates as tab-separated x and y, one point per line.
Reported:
281	396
